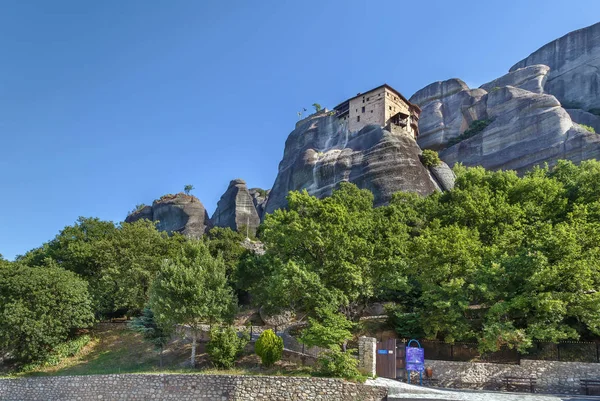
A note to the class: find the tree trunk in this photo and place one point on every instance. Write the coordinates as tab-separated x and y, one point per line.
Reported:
193	361
160	357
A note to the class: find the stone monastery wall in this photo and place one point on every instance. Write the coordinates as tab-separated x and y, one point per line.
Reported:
127	387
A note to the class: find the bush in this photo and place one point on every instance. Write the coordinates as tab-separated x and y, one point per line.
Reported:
588	128
335	363
62	351
269	347
430	158
225	346
40	309
475	128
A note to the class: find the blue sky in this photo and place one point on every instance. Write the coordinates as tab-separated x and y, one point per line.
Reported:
107	104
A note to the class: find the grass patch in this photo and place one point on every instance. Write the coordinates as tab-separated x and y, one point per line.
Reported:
588	128
119	350
475	128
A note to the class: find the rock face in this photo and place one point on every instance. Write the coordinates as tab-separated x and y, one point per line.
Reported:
441	118
320	153
531	78
259	198
574	62
180	213
236	208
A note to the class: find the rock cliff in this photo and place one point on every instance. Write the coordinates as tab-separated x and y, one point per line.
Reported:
320	153
521	121
175	213
237	208
574	62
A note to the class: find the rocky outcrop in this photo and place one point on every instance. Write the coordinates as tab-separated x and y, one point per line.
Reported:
180	213
530	78
583	117
441	119
527	129
574	62
236	209
259	197
321	152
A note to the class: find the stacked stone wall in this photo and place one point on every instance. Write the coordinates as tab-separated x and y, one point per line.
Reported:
551	376
136	387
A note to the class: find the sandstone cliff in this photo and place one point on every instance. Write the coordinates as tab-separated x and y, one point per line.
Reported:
320	153
175	213
524	123
237	208
574	62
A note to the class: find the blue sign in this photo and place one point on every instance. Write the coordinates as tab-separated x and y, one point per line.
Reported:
382	351
415	359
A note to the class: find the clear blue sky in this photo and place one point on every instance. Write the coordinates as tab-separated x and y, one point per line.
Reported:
107	104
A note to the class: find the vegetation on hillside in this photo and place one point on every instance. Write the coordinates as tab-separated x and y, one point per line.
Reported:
500	260
475	128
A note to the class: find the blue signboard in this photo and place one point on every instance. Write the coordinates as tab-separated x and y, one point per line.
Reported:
415	360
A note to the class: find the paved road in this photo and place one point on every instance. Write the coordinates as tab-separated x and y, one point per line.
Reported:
402	391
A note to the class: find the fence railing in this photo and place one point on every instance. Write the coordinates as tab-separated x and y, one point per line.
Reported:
467	352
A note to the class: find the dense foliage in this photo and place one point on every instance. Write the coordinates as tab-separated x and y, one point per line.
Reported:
335	363
269	347
502	260
40	308
225	345
153	332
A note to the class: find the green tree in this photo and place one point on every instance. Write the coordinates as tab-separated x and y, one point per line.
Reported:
158	335
329	330
40	308
430	158
269	347
188	188
322	250
317	107
192	290
226	345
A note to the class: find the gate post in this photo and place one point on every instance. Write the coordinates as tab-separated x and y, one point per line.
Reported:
367	347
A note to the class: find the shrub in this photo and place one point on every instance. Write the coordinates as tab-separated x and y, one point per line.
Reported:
475	128
225	346
335	363
588	128
40	308
430	158
269	347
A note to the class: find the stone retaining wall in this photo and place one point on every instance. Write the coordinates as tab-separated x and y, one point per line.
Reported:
184	387
552	376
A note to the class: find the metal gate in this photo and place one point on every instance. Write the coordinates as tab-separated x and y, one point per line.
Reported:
385	361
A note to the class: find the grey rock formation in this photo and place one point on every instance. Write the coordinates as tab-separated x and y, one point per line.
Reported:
528	129
443	176
531	78
583	117
320	153
175	213
236	208
259	197
441	118
574	62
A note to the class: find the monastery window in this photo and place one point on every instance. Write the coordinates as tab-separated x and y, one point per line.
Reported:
357	119
390	107
367	99
363	109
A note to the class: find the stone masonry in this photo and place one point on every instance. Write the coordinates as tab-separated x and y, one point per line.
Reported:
184	387
367	347
552	377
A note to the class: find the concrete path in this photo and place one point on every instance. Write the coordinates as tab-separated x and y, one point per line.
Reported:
402	391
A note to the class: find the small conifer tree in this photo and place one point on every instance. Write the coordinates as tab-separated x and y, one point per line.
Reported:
269	347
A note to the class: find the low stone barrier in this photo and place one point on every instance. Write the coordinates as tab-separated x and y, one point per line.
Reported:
552	376
134	387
